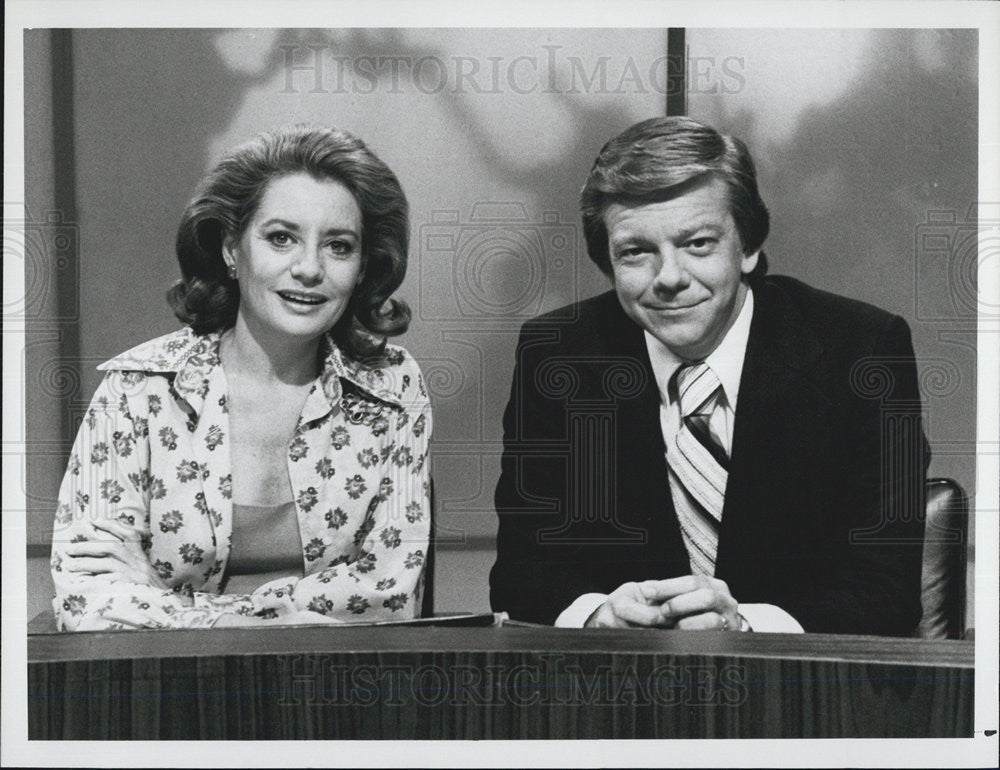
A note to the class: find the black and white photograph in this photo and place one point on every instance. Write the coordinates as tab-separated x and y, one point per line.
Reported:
523	385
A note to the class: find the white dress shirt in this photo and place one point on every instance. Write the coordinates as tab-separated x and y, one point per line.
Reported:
727	363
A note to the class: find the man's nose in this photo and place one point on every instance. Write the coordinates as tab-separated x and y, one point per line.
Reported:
672	275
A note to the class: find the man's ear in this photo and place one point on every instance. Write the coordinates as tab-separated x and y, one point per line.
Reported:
749	262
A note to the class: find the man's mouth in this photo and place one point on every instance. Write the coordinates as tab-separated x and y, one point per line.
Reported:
302	297
672	308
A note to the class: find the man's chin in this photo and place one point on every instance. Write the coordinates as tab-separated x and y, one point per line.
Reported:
683	345
683	341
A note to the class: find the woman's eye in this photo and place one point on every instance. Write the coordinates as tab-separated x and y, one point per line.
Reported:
341	248
280	238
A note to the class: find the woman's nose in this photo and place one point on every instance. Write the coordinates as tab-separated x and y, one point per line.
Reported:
308	267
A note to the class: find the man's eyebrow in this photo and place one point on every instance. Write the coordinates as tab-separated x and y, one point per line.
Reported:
712	225
629	241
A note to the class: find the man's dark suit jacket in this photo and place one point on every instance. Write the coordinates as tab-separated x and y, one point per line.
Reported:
824	506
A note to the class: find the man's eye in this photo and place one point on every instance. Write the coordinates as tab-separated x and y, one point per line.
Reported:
630	254
701	245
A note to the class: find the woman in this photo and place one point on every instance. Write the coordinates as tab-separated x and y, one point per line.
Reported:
267	463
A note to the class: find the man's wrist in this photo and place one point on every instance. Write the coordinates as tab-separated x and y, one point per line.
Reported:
769	618
593	616
579	613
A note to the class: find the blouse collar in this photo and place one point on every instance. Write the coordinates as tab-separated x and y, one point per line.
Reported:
192	358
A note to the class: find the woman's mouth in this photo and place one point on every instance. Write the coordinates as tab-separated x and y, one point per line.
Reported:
302	298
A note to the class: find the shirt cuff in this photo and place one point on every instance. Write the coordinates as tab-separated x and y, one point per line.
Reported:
766	618
577	613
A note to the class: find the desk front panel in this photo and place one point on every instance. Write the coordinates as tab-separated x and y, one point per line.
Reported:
492	683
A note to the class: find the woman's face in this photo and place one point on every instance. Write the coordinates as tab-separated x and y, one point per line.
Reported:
299	258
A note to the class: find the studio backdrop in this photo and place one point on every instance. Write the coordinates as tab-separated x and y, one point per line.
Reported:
865	140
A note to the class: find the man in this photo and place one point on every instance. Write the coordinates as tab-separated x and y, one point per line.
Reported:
707	447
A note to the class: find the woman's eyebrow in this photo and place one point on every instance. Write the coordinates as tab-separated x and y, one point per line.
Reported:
341	231
288	225
278	221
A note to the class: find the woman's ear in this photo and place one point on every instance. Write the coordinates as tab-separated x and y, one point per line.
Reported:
229	250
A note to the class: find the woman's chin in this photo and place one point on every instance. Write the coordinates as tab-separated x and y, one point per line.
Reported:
298	328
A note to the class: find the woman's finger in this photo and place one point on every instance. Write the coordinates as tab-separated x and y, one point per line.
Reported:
233	620
118	530
308	617
92	565
127	542
96	548
129	554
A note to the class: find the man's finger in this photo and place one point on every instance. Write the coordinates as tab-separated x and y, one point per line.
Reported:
706	621
661	590
637	614
698	601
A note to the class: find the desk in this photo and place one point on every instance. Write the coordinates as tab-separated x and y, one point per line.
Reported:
495	682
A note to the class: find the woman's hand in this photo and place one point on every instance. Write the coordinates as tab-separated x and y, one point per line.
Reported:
300	618
120	556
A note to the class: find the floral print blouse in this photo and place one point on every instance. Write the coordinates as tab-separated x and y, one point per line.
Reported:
153	453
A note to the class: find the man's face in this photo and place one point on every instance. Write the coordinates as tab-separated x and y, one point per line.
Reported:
678	267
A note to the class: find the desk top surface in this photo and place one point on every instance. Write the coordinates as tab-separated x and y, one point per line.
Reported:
181	643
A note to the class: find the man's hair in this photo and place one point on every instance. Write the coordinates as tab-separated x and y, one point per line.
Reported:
654	161
207	298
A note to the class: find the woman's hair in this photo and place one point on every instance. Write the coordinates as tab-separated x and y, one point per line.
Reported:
654	161
227	198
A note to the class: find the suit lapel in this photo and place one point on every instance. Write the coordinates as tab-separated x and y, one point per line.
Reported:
775	399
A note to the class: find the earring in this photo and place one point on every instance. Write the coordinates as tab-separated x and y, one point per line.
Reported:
233	273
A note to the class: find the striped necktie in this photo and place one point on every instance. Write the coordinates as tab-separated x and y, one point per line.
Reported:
698	466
